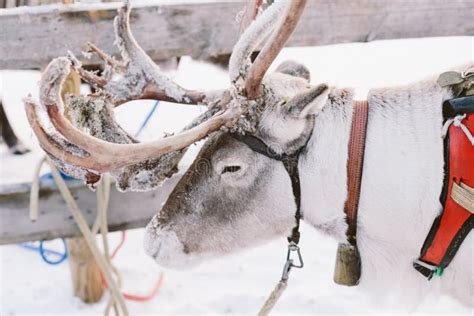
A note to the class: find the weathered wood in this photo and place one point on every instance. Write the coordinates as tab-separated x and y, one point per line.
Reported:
126	211
85	273
31	37
19	3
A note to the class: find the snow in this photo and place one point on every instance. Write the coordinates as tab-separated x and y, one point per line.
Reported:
236	284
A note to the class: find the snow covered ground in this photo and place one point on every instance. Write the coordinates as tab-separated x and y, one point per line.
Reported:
236	284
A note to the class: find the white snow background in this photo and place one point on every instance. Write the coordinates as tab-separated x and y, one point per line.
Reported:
236	284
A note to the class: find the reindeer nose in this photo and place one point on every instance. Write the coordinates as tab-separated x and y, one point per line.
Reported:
163	245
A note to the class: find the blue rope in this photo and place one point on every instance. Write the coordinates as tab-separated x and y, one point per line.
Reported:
47	253
147	118
45	258
49	176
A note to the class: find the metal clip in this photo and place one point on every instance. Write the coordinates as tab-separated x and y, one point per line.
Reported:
292	247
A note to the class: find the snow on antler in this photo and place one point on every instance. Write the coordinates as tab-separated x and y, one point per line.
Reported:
140	77
89	142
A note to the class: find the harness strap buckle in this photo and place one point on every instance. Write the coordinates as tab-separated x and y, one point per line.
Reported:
428	269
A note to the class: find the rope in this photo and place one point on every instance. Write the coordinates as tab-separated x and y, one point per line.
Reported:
34	201
103	193
133	297
116	300
101	260
457	121
102	196
147	118
273	298
149	296
34	193
120	244
100	225
45	253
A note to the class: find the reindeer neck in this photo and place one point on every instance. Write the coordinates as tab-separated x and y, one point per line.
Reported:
323	166
415	155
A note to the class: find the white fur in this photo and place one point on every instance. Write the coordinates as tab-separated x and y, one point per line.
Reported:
284	129
165	247
401	184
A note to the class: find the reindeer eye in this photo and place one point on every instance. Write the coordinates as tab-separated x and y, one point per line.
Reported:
230	169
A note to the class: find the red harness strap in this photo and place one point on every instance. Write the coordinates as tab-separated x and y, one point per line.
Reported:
455	222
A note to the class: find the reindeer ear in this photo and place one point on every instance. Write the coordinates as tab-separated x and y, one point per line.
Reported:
294	69
306	103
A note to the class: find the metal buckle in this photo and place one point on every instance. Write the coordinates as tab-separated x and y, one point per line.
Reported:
435	270
292	247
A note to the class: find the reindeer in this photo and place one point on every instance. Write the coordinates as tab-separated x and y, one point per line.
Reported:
232	197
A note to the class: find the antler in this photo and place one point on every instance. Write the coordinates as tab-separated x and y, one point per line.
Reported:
249	13
249	76
141	77
101	155
88	144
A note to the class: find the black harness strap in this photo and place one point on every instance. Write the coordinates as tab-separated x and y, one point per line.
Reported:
456	106
291	166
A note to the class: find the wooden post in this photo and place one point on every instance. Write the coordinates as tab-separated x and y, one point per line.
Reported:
85	272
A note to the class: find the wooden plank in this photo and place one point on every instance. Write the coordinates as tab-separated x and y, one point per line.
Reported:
127	210
31	37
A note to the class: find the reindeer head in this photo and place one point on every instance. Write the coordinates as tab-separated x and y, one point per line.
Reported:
231	197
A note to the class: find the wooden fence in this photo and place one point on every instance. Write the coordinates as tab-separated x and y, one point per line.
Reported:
127	210
31	37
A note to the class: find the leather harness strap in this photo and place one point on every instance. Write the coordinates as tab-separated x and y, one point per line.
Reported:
355	164
354	168
290	162
354	176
